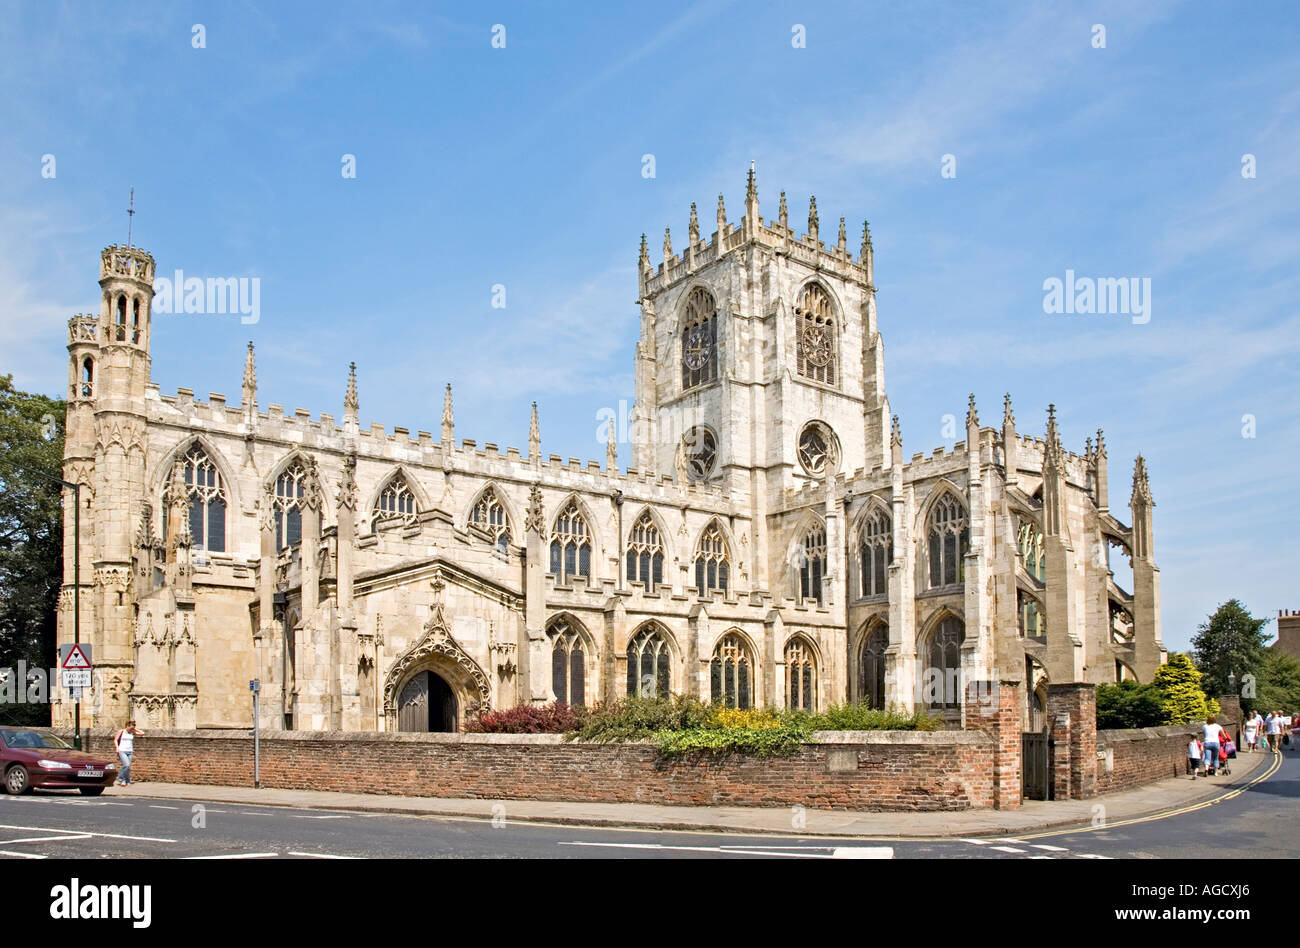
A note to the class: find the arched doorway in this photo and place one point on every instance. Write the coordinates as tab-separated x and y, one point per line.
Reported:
426	703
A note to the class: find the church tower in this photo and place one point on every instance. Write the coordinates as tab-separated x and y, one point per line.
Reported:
760	366
105	452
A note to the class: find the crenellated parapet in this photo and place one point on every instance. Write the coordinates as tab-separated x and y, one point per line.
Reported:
131	262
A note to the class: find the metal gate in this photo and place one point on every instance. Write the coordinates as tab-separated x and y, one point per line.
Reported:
1036	764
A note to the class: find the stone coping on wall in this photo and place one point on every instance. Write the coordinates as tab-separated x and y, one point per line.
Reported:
1147	733
924	738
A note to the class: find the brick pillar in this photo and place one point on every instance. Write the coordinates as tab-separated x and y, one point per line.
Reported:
994	707
1062	754
1072	706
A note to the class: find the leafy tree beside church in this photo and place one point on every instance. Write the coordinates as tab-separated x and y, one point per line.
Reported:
31	537
1231	642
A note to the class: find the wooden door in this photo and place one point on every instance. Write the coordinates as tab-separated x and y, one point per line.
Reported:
413	705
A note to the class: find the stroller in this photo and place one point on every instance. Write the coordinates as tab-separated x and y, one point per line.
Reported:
1227	751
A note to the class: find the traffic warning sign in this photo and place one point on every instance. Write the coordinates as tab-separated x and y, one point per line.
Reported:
77	657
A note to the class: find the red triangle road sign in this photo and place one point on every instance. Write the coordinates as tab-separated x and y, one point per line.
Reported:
76	658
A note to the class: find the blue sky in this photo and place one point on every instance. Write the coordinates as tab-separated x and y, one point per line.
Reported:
522	166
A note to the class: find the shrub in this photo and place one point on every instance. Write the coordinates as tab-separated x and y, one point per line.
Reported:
554	718
635	719
861	717
679	725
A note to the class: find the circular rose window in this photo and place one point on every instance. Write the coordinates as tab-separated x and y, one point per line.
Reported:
817	451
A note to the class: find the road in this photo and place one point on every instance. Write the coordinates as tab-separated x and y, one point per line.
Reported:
1259	821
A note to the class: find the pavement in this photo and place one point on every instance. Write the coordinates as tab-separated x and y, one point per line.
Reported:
1165	796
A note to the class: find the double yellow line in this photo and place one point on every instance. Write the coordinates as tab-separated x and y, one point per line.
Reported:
1272	768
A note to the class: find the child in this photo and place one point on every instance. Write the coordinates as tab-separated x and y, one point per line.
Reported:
1194	754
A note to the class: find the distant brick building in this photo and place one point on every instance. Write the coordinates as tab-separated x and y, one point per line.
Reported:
1288	632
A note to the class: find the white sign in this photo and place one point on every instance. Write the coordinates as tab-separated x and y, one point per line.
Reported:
76	677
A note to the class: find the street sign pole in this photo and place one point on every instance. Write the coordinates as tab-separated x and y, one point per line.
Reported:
255	686
76	601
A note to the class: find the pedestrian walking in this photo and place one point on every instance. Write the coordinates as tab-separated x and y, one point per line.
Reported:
1270	730
1194	753
1252	726
124	743
1214	735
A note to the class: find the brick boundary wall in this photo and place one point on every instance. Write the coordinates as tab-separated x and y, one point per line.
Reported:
859	770
1142	755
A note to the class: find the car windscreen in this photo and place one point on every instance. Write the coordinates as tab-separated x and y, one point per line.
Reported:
35	739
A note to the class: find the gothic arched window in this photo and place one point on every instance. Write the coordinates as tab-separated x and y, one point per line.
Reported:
949	540
800	676
568	663
287	504
699	339
87	377
645	553
812	565
815	335
570	546
1033	623
119	334
871	672
712	571
876	552
489	514
731	673
943	664
396	503
205	499
135	321
649	673
1029	544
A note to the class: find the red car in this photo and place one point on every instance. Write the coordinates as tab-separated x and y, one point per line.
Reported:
34	758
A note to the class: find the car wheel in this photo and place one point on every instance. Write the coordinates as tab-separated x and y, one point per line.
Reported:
17	780
91	791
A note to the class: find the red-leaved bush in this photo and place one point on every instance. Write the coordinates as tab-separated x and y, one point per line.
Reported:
554	718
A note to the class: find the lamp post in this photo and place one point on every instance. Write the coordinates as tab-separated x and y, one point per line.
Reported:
76	585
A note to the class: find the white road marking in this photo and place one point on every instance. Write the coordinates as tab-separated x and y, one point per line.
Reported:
1050	849
322	855
738	851
977	842
49	829
5	852
42	839
863	852
1008	849
319	817
236	856
1092	856
154	806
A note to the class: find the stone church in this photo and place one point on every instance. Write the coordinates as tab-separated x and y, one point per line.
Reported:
767	543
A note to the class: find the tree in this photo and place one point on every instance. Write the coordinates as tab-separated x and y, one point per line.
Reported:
1182	700
1277	683
31	535
1128	705
1232	642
